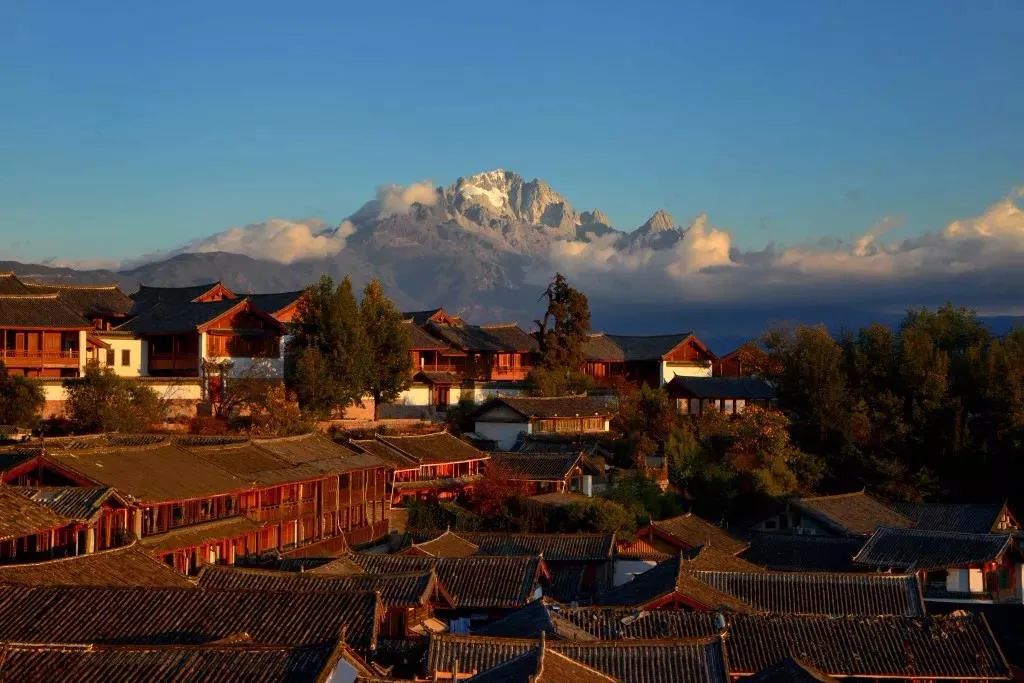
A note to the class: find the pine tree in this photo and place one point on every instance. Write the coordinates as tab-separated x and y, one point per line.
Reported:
327	360
390	364
561	335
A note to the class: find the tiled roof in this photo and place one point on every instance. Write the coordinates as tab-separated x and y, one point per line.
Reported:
650	347
533	466
274	302
552	406
209	663
11	284
690	661
780	592
599	347
920	549
666	579
542	664
88	301
851	514
421	317
20	516
39	310
412	589
948	647
72	502
506	338
448	544
749	388
483	582
691	531
280	460
639	549
155	472
436	377
146	296
820	593
155	616
419	340
168	317
710	558
869	647
428	449
798	552
197	534
791	670
127	566
578	547
966	518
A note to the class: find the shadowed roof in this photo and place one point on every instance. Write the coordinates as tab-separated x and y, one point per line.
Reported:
422	449
20	516
151	616
966	518
88	300
749	388
647	347
533	466
922	549
852	514
127	566
538	407
691	531
36	310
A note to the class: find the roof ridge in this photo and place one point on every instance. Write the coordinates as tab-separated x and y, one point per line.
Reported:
41	295
943	532
70	285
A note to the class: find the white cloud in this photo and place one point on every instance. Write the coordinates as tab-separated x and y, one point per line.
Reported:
279	240
396	199
979	258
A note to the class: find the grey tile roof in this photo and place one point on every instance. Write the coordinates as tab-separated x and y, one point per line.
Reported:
505	338
89	301
793	552
550	407
967	518
533	466
749	388
600	347
651	347
851	514
39	310
274	302
922	549
690	661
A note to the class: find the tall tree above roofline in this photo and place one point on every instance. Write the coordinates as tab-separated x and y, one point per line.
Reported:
327	359
561	334
390	365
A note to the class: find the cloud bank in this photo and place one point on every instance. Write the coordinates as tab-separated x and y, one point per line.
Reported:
278	240
394	200
976	261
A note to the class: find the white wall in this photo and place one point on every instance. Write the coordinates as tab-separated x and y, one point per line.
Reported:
415	395
504	434
138	365
670	369
961	580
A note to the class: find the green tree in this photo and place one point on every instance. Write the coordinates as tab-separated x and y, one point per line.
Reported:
645	418
390	367
327	359
809	367
561	335
21	399
103	401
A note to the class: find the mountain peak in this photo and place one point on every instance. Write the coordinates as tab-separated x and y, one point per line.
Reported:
659	222
505	196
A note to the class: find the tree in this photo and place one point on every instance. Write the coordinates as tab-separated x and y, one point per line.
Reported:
646	419
103	401
327	360
561	334
390	363
21	399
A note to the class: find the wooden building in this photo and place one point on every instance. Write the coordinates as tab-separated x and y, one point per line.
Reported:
952	565
505	420
653	360
541	472
198	500
435	466
728	395
40	335
855	514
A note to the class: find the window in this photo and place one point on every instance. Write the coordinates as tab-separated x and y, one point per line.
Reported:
110	357
126	357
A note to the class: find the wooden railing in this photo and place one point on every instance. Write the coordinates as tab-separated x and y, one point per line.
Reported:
14	356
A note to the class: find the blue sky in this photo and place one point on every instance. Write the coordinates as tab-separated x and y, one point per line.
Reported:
131	127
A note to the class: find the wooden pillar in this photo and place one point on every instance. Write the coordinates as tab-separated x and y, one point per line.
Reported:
90	540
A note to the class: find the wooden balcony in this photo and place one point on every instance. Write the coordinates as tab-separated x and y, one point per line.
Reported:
283	512
171	362
514	373
14	358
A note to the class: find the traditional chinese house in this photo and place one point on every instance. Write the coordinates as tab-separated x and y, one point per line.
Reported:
505	420
951	564
210	500
409	599
855	514
580	564
653	360
728	395
540	472
436	466
946	648
689	532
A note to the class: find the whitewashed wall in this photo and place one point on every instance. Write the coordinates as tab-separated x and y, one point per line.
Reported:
504	434
670	369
